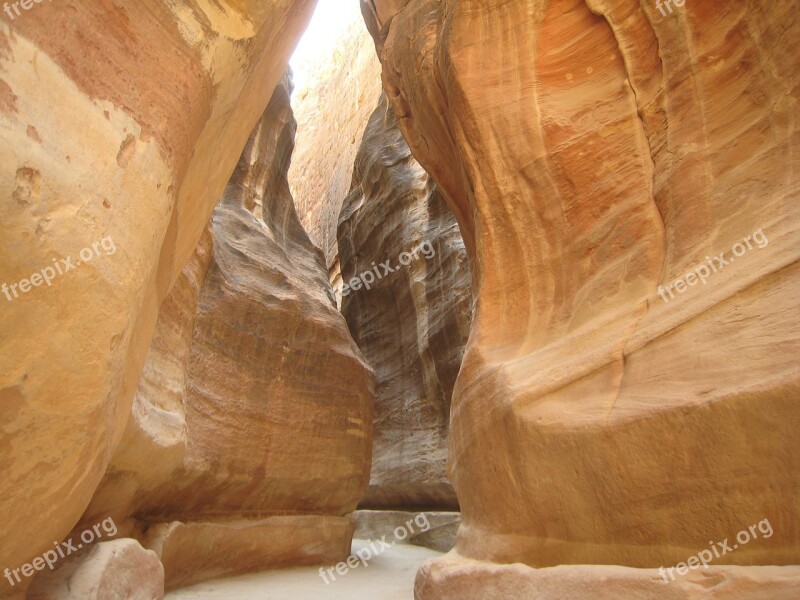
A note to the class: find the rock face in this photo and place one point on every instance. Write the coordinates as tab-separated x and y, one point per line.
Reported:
198	551
434	530
455	578
254	400
595	152
411	324
122	121
332	110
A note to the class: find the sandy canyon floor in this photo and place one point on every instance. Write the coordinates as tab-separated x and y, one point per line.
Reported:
389	576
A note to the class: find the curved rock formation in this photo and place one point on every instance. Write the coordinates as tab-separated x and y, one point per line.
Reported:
332	110
624	175
411	324
254	401
453	578
155	101
612	408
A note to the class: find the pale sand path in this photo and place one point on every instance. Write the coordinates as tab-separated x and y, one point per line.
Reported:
388	576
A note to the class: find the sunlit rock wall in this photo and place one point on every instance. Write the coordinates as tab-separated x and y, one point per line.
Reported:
120	120
412	323
594	153
255	401
332	107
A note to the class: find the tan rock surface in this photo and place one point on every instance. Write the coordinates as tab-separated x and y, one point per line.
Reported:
332	109
592	152
412	324
434	530
255	400
195	552
455	578
109	570
154	444
120	120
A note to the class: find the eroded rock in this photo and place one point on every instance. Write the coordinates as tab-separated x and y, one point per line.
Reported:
120	121
410	320
593	153
456	578
255	399
116	569
434	530
332	108
194	552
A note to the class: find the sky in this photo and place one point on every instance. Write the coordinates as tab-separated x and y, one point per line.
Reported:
329	22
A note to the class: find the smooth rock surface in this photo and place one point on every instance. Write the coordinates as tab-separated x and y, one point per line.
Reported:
332	108
255	400
455	578
111	570
120	120
199	551
411	323
594	152
434	530
154	444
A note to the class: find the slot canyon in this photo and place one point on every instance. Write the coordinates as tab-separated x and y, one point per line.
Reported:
400	299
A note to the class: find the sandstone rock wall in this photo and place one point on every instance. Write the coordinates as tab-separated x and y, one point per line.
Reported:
332	109
200	550
120	120
455	578
412	324
595	152
254	401
434	530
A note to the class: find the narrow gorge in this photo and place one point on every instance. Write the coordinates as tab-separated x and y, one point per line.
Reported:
400	299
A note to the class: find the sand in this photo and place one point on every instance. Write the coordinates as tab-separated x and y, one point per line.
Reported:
388	576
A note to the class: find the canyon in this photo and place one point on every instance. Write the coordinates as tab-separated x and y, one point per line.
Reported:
241	390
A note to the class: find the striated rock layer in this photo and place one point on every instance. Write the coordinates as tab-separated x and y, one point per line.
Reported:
411	324
594	152
332	109
121	121
456	578
199	551
254	400
434	530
